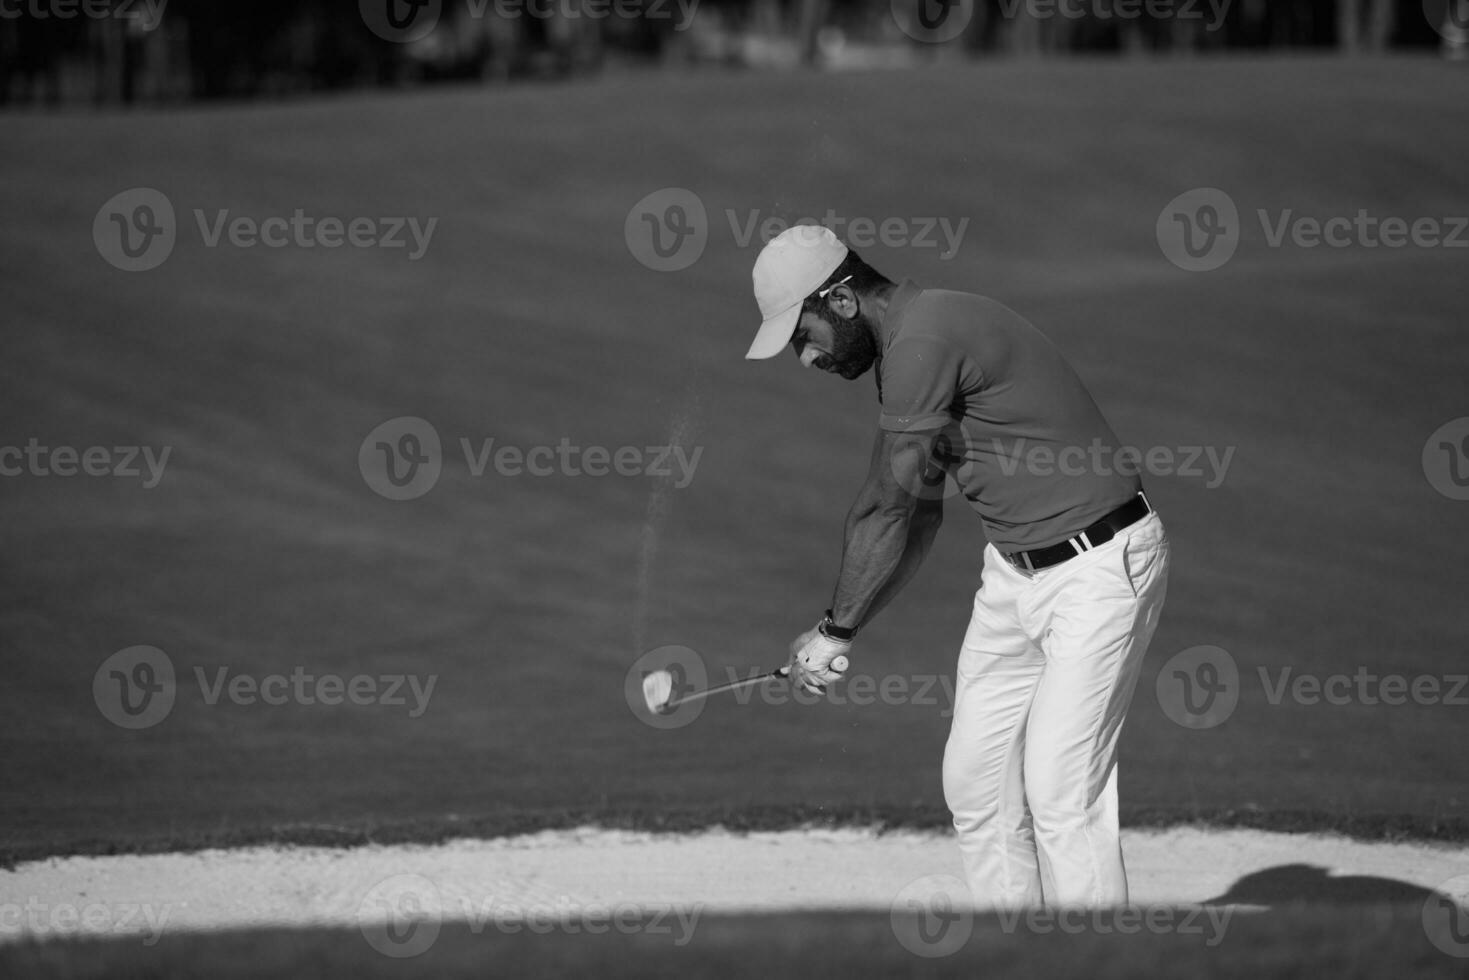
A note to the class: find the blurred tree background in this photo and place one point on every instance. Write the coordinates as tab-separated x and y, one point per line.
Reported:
123	51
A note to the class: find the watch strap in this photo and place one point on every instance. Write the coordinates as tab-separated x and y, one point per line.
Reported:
831	630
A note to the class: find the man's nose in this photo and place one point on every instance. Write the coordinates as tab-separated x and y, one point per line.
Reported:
809	355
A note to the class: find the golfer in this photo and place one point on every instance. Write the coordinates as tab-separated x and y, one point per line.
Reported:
1074	573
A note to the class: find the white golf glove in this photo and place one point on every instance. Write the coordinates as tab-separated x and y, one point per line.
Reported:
817	660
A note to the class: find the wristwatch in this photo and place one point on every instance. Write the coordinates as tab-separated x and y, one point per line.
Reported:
832	631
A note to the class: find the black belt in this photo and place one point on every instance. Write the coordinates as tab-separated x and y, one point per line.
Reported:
1098	534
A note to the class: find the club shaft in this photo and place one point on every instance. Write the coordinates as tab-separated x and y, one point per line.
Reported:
731	686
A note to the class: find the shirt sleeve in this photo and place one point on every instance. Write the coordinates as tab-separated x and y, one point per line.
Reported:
920	379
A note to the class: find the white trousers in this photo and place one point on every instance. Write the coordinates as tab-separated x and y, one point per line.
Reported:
1045	677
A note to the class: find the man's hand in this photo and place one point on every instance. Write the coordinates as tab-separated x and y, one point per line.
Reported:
817	660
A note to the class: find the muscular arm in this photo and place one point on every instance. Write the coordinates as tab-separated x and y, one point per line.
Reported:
890	527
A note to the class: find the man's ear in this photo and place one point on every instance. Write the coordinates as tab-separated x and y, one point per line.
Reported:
843	300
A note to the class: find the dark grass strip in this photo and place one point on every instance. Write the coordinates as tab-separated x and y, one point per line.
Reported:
1364	827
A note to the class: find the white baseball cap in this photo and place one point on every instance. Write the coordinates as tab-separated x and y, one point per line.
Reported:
794	264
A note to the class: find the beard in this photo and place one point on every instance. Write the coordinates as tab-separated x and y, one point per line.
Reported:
853	349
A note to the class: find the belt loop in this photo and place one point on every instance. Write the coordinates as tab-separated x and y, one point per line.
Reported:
1029	565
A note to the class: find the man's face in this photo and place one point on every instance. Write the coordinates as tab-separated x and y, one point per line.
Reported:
825	339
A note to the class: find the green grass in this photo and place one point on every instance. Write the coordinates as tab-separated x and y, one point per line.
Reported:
529	321
1367	941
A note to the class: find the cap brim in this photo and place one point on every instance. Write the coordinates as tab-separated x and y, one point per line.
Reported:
774	334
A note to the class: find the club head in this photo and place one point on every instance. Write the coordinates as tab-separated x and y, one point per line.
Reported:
657	689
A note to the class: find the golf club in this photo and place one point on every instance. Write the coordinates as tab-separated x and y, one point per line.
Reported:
658	687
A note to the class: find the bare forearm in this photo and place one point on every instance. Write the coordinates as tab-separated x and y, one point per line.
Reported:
877	540
889	528
922	530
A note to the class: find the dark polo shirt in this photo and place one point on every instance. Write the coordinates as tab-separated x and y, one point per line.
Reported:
1021	435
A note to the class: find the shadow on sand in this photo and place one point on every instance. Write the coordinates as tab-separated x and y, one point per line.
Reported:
1307	883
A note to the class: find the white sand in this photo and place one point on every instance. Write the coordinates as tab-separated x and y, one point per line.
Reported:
598	873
